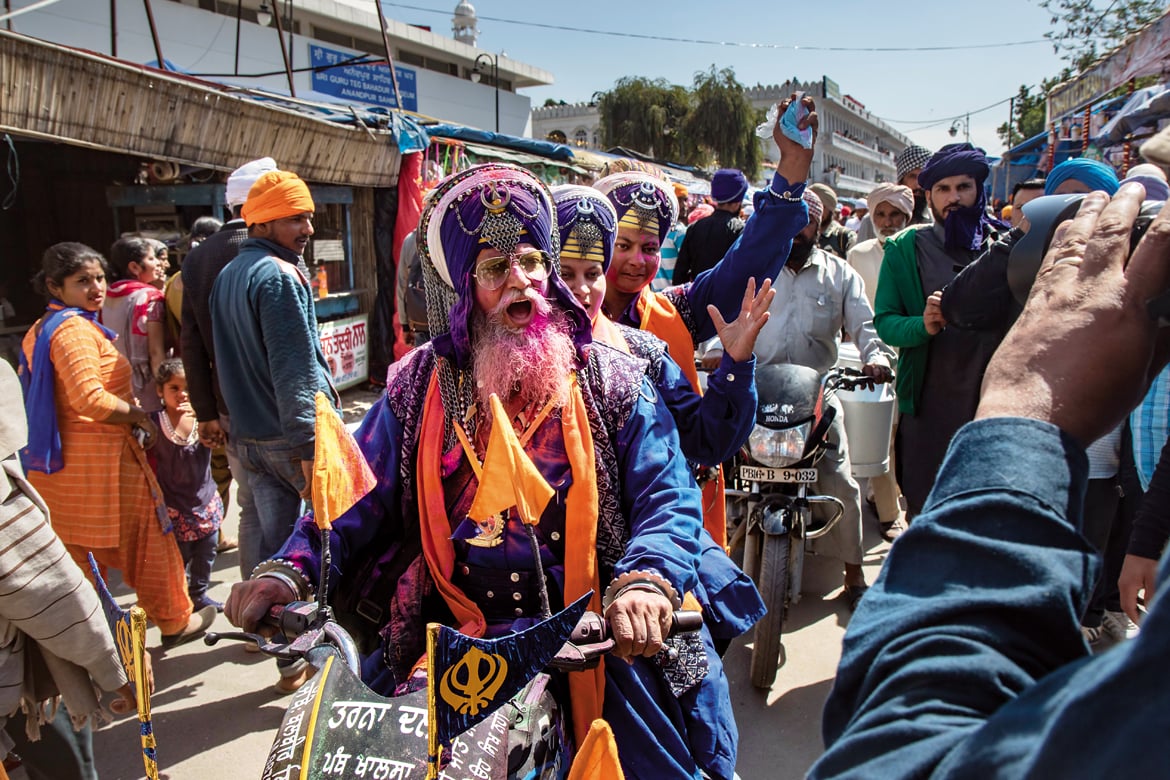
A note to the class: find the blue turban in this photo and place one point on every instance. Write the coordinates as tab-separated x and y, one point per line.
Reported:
965	227
493	206
1095	174
728	185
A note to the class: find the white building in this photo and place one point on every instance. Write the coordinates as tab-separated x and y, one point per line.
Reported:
438	76
576	124
855	149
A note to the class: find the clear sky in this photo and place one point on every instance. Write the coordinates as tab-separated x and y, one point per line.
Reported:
909	85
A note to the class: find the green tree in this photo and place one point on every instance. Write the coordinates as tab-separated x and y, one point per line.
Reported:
713	121
1027	118
1083	30
722	121
648	116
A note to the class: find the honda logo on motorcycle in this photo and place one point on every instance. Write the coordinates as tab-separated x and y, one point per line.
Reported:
776	413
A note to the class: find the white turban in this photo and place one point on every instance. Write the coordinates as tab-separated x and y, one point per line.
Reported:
241	179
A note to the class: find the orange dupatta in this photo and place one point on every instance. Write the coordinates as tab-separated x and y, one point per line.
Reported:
658	316
587	689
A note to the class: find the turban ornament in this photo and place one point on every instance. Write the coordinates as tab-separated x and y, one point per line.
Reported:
642	202
587	223
586	235
499	228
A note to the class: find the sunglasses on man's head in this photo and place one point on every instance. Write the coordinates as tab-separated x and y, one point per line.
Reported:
492	272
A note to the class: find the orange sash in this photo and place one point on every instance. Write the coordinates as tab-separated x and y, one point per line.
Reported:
663	320
581	509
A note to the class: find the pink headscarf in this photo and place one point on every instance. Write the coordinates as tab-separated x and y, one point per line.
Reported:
700	211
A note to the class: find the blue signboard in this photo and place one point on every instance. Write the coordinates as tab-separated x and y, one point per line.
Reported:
368	84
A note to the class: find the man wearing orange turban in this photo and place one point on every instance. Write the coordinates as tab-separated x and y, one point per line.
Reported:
271	366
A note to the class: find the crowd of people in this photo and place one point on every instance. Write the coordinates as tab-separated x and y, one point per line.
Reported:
577	315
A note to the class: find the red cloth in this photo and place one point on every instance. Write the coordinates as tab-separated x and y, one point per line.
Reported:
409	210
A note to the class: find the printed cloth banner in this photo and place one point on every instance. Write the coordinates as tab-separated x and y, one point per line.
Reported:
336	727
470	677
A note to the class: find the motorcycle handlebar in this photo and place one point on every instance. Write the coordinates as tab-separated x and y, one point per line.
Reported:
299	622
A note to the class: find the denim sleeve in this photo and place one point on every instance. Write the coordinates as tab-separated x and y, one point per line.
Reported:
659	495
374	519
711	427
290	345
760	252
979	600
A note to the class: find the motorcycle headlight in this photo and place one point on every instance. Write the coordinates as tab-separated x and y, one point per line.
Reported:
778	448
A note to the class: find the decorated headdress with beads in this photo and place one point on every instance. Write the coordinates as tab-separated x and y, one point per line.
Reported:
641	201
494	206
587	223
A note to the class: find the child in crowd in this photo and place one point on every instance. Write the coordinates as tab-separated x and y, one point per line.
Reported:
183	468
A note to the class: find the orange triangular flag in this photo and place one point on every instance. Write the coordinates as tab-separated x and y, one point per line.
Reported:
597	758
509	477
341	476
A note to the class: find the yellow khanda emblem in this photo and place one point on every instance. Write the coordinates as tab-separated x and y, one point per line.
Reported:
470	685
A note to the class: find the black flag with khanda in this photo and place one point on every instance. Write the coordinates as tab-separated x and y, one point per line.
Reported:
470	678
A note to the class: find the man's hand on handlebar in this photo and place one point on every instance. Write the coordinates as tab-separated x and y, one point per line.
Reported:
638	622
248	603
878	373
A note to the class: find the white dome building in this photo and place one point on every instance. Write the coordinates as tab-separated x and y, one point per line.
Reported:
463	24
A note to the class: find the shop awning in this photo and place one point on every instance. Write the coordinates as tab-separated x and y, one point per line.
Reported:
65	95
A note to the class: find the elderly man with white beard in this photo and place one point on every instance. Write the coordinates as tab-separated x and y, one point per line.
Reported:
892	208
624	521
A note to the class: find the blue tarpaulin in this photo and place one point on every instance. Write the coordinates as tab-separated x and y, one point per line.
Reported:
531	146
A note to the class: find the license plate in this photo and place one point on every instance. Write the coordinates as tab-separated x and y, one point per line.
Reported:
758	474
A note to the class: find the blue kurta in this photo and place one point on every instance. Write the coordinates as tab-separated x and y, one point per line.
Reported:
659	735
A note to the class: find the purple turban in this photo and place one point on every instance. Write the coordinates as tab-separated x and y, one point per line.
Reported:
587	223
494	206
955	160
728	185
641	200
967	226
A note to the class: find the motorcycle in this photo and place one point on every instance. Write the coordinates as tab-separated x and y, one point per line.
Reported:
335	719
769	492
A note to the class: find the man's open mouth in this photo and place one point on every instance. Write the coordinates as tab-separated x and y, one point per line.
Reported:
519	311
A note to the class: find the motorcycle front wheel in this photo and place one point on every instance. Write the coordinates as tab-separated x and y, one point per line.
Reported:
772	582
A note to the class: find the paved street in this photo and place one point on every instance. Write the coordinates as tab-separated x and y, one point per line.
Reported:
215	714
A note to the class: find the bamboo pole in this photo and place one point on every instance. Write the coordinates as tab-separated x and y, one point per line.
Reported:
154	35
283	49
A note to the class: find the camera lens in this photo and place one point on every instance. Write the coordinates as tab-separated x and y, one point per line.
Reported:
1044	215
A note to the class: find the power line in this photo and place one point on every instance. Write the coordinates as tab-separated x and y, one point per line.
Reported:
733	44
938	121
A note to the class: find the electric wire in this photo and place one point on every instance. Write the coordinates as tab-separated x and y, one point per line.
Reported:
734	44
